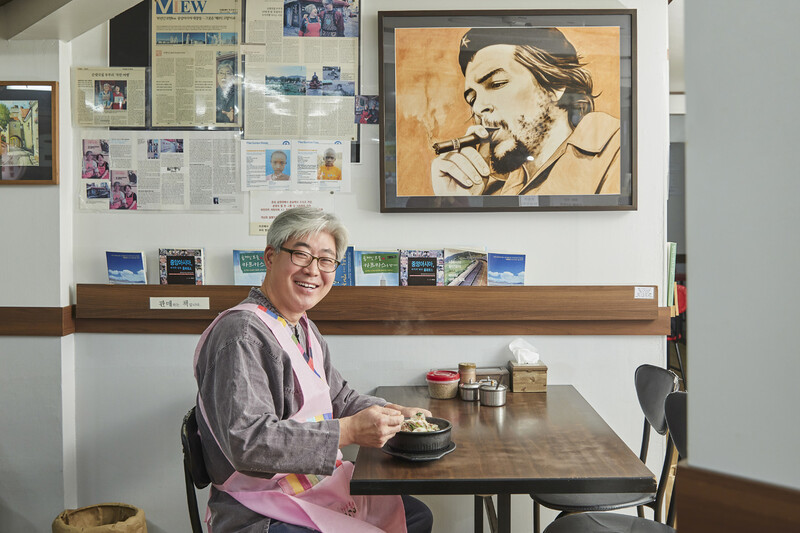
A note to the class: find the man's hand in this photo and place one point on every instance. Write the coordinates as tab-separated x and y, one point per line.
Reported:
461	173
408	412
230	114
371	427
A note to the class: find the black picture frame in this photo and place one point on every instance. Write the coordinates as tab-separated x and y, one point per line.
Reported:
28	133
422	92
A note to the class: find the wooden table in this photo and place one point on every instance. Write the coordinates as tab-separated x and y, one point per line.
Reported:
551	442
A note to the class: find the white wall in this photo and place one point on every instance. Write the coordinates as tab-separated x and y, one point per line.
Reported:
37	421
132	390
742	190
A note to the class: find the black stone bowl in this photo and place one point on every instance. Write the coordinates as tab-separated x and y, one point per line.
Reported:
422	441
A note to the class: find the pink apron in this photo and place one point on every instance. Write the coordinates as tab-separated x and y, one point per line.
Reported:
323	503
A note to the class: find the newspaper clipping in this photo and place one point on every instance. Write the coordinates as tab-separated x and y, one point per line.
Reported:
265	206
299	165
302	66
195	63
113	97
159	171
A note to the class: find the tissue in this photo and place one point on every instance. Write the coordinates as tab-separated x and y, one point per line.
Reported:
524	352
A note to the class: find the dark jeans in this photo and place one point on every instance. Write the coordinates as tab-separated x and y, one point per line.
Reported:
419	519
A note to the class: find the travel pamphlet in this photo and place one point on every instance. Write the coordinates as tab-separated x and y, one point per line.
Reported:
126	268
180	266
506	269
248	267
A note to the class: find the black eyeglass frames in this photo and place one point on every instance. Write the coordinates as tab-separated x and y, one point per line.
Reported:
303	259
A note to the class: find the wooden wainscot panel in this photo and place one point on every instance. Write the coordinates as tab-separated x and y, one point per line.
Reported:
711	502
36	321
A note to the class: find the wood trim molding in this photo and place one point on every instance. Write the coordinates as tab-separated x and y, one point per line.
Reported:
711	502
541	310
546	310
412	304
37	321
345	327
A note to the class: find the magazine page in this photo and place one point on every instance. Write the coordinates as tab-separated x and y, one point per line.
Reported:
159	171
113	97
195	63
299	165
302	63
311	100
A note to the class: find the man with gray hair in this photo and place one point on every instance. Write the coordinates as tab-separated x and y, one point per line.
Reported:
535	131
272	410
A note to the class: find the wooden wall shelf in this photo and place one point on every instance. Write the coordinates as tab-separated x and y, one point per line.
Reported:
539	310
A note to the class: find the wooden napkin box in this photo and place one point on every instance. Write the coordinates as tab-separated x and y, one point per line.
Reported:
528	378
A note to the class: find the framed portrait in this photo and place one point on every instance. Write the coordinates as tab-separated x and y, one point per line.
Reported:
507	110
28	133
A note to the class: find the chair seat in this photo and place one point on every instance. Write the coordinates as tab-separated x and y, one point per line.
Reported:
594	502
606	523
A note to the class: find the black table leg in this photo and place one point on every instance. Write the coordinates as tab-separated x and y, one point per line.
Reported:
504	513
478	514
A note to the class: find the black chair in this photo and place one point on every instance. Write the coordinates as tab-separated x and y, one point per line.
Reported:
194	468
675	408
653	384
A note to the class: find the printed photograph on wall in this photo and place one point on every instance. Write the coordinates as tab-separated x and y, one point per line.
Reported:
28	126
498	111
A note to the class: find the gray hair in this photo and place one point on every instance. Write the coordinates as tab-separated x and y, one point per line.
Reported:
301	221
225	63
330	151
279	152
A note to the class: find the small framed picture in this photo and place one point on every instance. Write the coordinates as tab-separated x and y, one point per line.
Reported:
28	133
507	110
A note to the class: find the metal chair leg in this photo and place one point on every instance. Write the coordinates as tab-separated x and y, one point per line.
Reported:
537	525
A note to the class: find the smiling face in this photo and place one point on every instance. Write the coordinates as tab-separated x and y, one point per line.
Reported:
295	289
504	94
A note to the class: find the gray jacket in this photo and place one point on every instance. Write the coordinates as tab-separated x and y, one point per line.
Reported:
248	389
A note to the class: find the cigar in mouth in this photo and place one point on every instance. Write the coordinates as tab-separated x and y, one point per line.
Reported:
454	145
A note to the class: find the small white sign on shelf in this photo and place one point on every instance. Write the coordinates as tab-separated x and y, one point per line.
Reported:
644	293
180	303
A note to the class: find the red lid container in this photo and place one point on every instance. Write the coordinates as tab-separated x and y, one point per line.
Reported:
443	376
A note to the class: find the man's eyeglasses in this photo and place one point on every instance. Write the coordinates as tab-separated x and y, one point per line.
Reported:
304	259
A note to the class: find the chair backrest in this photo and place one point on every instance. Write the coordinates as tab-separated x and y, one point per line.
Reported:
675	408
653	385
194	467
